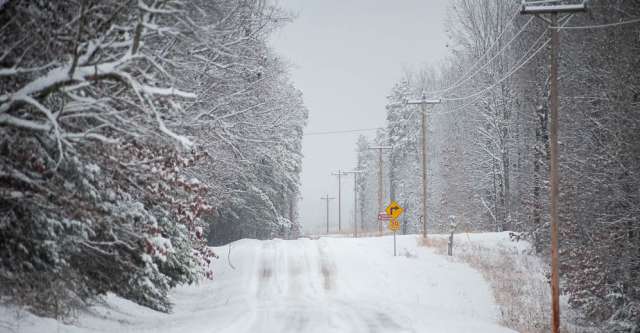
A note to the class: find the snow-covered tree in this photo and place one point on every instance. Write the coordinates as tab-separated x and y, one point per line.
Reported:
488	143
127	126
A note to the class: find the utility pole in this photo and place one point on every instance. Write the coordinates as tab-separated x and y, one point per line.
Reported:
553	10
380	184
339	173
424	102
327	198
355	199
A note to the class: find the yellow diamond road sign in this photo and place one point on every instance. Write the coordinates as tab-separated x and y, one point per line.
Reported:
394	210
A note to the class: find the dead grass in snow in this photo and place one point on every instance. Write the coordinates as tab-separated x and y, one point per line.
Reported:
517	279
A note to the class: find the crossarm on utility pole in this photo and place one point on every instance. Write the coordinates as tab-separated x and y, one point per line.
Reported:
552	9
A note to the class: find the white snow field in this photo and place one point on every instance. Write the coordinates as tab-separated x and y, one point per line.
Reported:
304	285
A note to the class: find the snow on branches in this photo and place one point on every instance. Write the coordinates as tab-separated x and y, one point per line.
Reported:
120	123
108	82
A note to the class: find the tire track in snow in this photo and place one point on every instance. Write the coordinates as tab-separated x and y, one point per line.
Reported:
282	289
266	270
327	265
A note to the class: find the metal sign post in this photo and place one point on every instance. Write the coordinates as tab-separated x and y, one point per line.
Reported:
394	211
394	226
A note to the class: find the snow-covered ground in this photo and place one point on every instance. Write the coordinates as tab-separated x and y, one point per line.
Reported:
324	285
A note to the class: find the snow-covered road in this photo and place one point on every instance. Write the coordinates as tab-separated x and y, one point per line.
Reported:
325	285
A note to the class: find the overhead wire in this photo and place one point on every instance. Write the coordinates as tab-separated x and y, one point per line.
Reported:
500	52
480	92
562	27
478	95
480	58
461	81
599	26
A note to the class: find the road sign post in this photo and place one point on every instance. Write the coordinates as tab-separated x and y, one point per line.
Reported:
394	211
394	226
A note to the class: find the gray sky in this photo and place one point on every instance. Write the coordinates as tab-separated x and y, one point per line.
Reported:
346	56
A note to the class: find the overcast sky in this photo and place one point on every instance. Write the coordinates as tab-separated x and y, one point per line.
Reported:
346	56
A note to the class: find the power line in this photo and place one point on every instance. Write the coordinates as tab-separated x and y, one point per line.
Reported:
478	95
481	92
513	71
343	131
494	43
502	50
460	108
607	25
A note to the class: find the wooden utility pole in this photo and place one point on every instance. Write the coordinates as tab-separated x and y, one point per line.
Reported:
553	10
339	173
355	199
380	183
326	198
424	102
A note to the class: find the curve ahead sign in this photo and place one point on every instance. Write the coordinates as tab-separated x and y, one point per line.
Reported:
394	210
